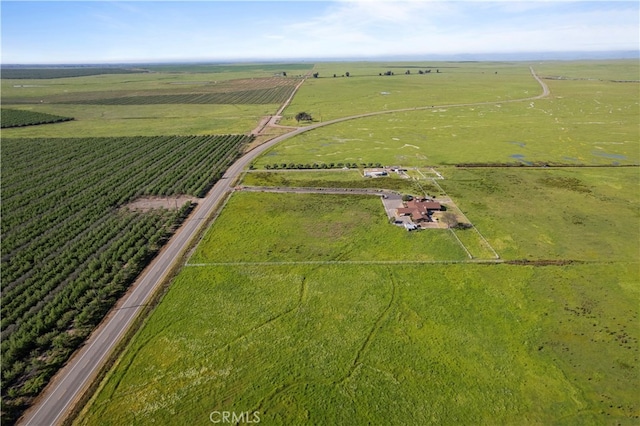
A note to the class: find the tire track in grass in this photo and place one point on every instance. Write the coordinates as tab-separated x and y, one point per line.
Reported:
169	378
127	364
357	363
284	387
461	243
302	294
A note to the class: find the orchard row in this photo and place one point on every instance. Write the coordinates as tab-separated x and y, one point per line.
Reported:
19	118
273	95
70	248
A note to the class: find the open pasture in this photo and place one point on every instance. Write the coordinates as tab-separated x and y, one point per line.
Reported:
582	122
383	344
564	214
287	227
326	98
611	70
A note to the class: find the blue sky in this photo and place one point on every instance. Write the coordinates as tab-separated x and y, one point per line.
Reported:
138	31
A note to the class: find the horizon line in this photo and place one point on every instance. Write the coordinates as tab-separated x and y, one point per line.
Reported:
486	56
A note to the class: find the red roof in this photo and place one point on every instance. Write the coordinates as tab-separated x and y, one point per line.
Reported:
423	205
418	209
432	205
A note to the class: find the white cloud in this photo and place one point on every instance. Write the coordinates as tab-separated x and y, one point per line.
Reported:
422	27
132	31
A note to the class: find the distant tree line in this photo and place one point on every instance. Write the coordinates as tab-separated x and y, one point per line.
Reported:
407	72
299	166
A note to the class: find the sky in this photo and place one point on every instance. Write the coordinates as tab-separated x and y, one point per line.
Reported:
72	32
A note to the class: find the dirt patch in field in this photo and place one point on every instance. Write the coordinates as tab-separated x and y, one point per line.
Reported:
170	203
266	135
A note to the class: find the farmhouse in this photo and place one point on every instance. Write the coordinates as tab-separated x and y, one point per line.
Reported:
419	209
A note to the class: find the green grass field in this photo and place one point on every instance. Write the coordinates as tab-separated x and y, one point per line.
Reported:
584	214
314	309
316	227
457	344
326	98
583	122
309	342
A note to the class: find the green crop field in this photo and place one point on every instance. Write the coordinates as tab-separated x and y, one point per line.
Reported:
70	245
20	118
185	100
44	72
144	120
73	235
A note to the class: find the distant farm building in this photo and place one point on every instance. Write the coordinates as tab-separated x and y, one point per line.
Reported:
375	173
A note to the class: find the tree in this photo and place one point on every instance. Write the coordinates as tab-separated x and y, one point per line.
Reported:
347	73
284	73
450	219
303	116
315	75
463	225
